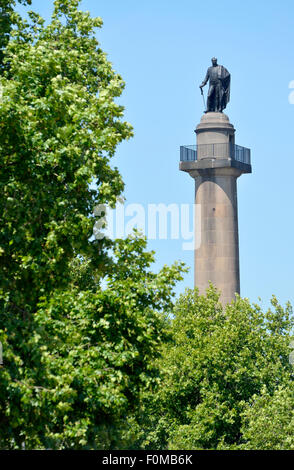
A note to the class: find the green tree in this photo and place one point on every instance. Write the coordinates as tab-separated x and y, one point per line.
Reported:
59	127
217	361
7	18
76	375
269	420
80	327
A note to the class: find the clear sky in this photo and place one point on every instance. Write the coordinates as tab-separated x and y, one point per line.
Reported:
162	49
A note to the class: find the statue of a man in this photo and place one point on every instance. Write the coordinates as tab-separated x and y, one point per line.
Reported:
219	87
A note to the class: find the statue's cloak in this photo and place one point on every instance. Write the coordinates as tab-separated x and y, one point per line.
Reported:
225	78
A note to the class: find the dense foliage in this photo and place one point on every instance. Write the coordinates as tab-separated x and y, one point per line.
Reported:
60	125
7	18
219	363
269	420
80	325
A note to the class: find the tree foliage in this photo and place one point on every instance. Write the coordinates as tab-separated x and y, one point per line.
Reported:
218	362
80	328
79	370
7	19
60	125
269	420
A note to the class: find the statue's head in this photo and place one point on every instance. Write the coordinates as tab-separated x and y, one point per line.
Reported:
214	61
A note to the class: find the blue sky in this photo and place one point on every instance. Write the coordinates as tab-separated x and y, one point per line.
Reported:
162	49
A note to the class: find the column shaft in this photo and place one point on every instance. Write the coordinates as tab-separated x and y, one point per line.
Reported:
217	258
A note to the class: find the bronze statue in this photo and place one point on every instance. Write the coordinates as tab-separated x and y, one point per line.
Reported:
219	87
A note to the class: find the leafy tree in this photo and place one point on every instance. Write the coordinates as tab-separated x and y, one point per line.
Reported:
73	382
269	420
60	126
7	18
80	328
218	360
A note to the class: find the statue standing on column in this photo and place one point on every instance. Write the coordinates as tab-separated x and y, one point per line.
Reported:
219	87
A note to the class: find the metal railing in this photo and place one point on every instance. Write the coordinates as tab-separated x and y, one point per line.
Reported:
191	153
188	153
242	154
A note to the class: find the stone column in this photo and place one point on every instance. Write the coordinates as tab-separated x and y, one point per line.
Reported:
215	172
217	258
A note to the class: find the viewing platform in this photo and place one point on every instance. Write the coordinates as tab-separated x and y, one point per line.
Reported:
216	155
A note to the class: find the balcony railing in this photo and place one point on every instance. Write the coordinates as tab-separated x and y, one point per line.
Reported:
191	153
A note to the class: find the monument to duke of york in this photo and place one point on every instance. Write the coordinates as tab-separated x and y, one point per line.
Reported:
215	163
